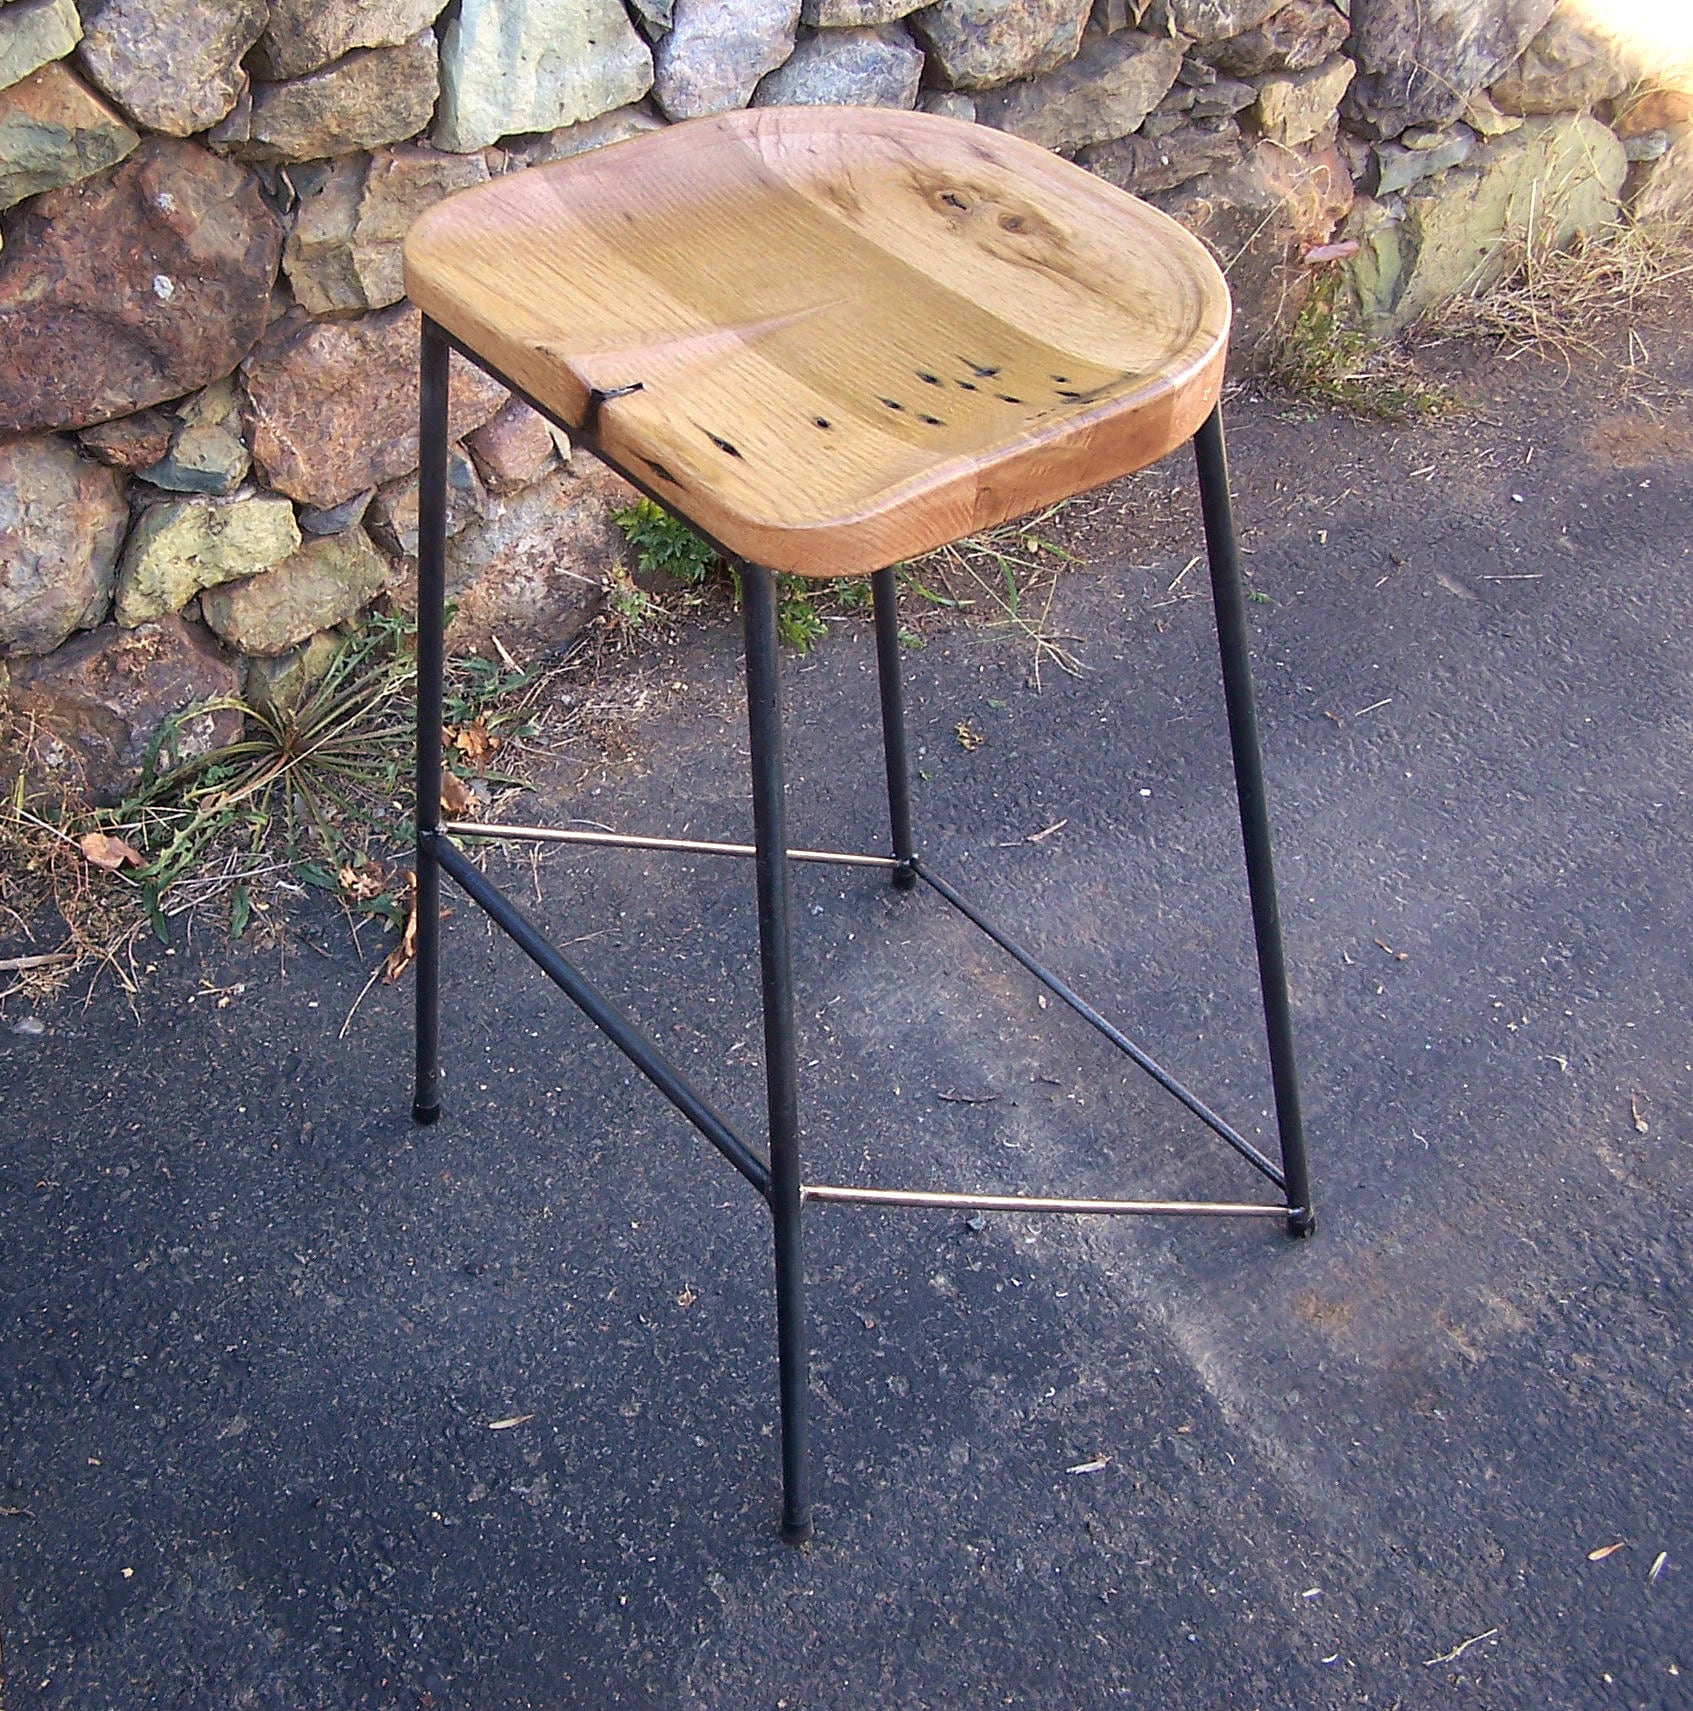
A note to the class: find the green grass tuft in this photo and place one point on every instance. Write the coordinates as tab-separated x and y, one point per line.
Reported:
1325	360
664	545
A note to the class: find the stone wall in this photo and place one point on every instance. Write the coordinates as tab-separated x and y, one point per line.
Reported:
207	410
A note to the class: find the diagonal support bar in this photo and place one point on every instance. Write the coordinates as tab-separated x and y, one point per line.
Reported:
624	1034
1114	1034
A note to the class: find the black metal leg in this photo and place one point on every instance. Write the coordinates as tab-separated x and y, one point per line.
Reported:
1254	811
770	834
431	597
885	593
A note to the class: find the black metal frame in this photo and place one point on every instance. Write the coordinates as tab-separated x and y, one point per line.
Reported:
779	1179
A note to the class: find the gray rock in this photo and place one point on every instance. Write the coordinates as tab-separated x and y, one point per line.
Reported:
1485	119
847	68
510	66
978	44
1571	64
393	513
1293	107
717	50
1397	167
1355	153
332	405
1106	91
318	254
532	573
335	519
1113	15
653	16
131	287
1649	145
207	453
62	521
949	103
571	140
306	35
330	580
1159	125
236	126
1420	64
371	97
1207	20
173	65
279	684
54	131
1221	99
1460	231
344	253
1427	137
180	546
853	14
1667	194
1146	165
97	703
1299	36
34	33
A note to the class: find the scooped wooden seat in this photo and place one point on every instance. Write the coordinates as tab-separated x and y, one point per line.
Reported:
835	338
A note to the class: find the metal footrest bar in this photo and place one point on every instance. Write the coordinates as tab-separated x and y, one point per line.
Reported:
658	1069
635	841
1115	1035
624	1034
831	1193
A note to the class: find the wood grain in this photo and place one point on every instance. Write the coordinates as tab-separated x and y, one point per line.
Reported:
856	334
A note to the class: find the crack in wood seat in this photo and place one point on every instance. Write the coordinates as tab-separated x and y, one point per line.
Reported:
849	335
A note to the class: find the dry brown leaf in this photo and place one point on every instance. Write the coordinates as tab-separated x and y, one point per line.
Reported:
362	883
401	956
455	799
968	736
475	742
104	851
1606	1551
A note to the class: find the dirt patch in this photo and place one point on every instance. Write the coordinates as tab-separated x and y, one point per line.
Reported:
1633	440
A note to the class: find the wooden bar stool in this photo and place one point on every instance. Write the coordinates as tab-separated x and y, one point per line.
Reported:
831	340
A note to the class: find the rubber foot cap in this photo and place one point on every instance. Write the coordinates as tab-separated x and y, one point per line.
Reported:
424	1115
797	1532
1302	1223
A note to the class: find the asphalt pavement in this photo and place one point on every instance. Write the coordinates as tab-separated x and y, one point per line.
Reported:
305	1407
